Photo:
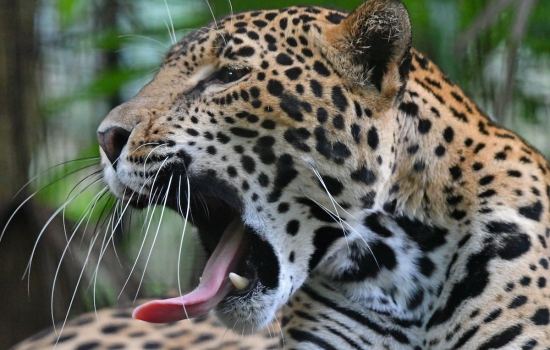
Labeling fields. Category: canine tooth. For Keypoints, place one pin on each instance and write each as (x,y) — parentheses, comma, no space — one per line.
(239,282)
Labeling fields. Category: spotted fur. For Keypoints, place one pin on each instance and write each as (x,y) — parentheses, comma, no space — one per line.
(385,209)
(114,329)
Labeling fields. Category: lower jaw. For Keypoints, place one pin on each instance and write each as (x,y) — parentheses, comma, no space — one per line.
(247,314)
(257,262)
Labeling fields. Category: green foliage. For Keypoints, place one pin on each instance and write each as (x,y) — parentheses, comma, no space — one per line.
(68,10)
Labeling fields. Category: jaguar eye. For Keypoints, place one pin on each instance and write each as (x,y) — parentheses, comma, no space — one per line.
(228,75)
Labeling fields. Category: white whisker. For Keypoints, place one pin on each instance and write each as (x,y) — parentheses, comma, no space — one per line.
(75,290)
(145,37)
(173,33)
(158,226)
(215,22)
(334,217)
(29,264)
(186,217)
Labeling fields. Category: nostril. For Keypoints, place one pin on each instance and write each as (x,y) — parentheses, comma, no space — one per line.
(112,141)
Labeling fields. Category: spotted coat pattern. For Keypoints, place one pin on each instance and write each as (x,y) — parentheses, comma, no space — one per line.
(387,209)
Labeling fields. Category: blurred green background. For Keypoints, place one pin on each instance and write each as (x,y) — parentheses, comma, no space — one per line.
(65,63)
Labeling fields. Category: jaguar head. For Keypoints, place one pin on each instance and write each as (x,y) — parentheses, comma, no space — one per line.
(260,128)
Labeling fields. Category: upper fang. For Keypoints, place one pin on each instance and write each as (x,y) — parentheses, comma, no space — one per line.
(238,281)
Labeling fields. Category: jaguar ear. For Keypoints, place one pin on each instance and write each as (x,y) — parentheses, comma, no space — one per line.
(373,45)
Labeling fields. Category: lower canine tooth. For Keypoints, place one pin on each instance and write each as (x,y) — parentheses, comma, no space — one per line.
(238,281)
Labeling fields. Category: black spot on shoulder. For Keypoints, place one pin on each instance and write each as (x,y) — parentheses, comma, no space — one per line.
(493,316)
(321,69)
(264,148)
(466,337)
(449,134)
(440,151)
(529,345)
(292,42)
(410,108)
(88,346)
(268,124)
(501,227)
(373,223)
(334,17)
(315,210)
(356,133)
(285,173)
(502,339)
(368,200)
(514,246)
(541,317)
(292,227)
(472,285)
(284,59)
(424,126)
(422,61)
(291,106)
(243,132)
(333,185)
(297,137)
(248,163)
(336,151)
(372,138)
(245,51)
(66,337)
(339,99)
(518,301)
(479,147)
(365,175)
(323,239)
(283,23)
(316,88)
(419,166)
(484,181)
(413,149)
(427,237)
(223,138)
(338,122)
(426,266)
(259,23)
(322,115)
(275,88)
(113,328)
(415,300)
(270,16)
(283,207)
(368,262)
(263,180)
(533,211)
(293,73)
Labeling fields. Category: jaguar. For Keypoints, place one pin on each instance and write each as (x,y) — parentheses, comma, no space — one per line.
(335,172)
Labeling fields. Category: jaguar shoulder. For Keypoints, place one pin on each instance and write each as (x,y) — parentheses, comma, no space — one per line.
(114,329)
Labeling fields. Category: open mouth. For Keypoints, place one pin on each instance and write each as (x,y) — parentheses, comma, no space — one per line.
(240,263)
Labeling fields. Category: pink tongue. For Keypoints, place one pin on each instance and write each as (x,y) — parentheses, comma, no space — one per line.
(214,285)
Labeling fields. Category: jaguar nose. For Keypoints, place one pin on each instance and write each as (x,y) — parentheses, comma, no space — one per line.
(112,141)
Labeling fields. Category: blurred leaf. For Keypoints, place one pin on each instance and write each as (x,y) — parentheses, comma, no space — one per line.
(67,11)
(73,179)
(104,85)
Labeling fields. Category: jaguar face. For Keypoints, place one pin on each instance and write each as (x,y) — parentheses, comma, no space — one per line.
(239,131)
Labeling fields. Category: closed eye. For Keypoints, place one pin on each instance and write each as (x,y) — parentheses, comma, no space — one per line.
(228,75)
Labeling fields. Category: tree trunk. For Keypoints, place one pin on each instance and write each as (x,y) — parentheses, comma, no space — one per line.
(24,310)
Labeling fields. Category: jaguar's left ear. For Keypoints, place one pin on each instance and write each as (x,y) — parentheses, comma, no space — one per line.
(373,45)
